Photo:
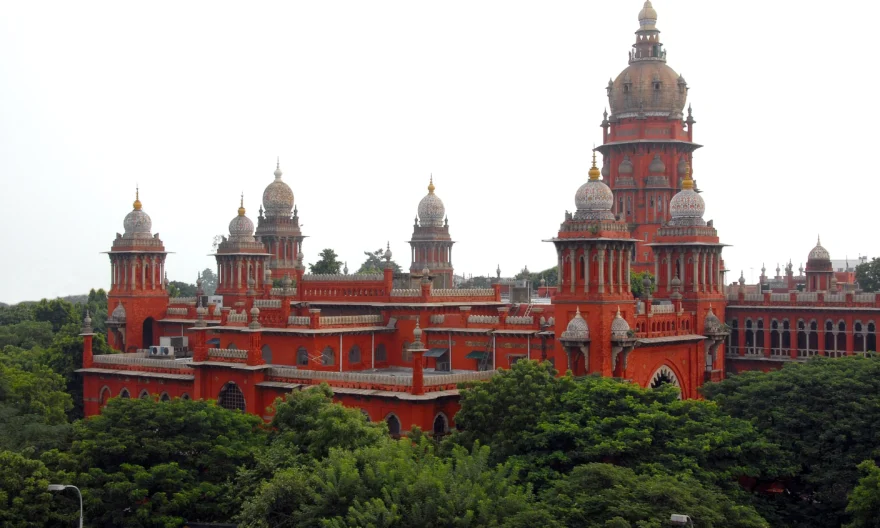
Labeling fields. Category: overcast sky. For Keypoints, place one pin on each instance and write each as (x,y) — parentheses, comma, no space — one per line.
(362,101)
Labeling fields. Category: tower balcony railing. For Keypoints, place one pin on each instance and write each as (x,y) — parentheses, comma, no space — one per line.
(298,320)
(406,292)
(227,353)
(520,320)
(267,303)
(139,359)
(374,319)
(794,298)
(171,310)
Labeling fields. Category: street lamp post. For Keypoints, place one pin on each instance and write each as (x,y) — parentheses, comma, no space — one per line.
(62,487)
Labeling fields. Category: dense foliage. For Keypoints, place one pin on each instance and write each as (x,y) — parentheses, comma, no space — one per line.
(868,275)
(375,262)
(794,448)
(327,263)
(826,415)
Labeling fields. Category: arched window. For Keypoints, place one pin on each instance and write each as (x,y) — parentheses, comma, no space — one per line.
(871,337)
(164,397)
(841,339)
(105,396)
(733,337)
(759,337)
(231,397)
(184,396)
(124,394)
(302,356)
(786,337)
(750,337)
(775,338)
(829,338)
(267,354)
(858,337)
(381,353)
(581,267)
(393,425)
(328,357)
(441,425)
(354,355)
(814,337)
(802,342)
(144,395)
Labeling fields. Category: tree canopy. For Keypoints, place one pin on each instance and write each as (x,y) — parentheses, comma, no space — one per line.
(327,263)
(375,262)
(636,283)
(868,275)
(825,414)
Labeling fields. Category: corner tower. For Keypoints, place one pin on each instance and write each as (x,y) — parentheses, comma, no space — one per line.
(431,243)
(242,262)
(594,251)
(138,296)
(278,227)
(647,141)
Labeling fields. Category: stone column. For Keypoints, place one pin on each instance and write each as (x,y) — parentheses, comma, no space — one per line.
(573,268)
(668,269)
(587,269)
(628,255)
(601,264)
(611,269)
(696,258)
(703,257)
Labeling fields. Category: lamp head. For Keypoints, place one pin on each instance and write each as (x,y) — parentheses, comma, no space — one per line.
(57,487)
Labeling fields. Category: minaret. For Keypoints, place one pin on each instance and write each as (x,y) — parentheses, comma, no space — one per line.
(431,243)
(594,251)
(278,228)
(241,261)
(138,297)
(647,141)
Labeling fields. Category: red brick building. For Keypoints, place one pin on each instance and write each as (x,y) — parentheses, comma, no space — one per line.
(399,353)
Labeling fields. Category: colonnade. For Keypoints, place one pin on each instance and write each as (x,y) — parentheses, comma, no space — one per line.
(132,271)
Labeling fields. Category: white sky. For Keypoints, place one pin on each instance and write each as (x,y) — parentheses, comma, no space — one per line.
(500,100)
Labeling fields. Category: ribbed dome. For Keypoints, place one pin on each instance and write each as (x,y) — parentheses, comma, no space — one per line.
(619,327)
(712,325)
(241,226)
(650,87)
(118,314)
(278,197)
(137,223)
(682,166)
(657,166)
(687,207)
(594,199)
(577,329)
(626,167)
(431,208)
(819,252)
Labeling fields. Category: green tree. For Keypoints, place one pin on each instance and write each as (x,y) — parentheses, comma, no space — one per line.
(825,413)
(26,334)
(868,275)
(23,311)
(603,495)
(209,281)
(636,283)
(375,262)
(149,463)
(864,501)
(58,312)
(24,497)
(396,484)
(327,264)
(553,424)
(181,289)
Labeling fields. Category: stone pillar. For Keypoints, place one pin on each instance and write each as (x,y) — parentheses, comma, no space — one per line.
(696,258)
(573,268)
(767,343)
(601,264)
(418,378)
(587,269)
(611,270)
(742,339)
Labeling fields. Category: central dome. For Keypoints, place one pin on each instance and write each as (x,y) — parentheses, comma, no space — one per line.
(278,197)
(651,87)
(137,223)
(431,208)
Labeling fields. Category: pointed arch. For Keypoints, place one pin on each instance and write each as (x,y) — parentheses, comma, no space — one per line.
(441,424)
(393,425)
(144,395)
(664,375)
(231,397)
(124,393)
(164,397)
(105,396)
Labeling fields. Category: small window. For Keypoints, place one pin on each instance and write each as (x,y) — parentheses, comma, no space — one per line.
(656,87)
(327,357)
(124,394)
(302,356)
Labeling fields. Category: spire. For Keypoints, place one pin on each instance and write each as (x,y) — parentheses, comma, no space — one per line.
(431,185)
(137,198)
(241,206)
(687,183)
(278,168)
(594,170)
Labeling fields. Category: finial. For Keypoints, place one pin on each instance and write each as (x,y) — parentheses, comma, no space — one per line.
(241,206)
(431,184)
(137,198)
(818,240)
(278,168)
(594,170)
(687,183)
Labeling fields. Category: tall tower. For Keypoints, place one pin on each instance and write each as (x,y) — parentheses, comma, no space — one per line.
(820,272)
(431,243)
(277,229)
(594,251)
(242,262)
(647,142)
(138,297)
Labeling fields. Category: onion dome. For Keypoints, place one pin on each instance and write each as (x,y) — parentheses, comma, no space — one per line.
(647,16)
(675,282)
(594,199)
(137,223)
(286,282)
(387,255)
(241,226)
(87,324)
(606,171)
(431,208)
(118,314)
(278,198)
(626,167)
(687,207)
(255,318)
(712,325)
(619,327)
(818,252)
(417,337)
(577,329)
(657,166)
